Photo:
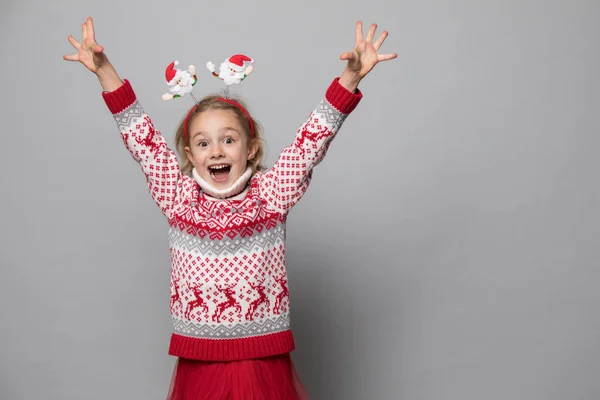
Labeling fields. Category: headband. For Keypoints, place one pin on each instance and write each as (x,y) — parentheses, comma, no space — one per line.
(232,102)
(232,72)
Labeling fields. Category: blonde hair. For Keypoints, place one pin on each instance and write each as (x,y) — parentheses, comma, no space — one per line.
(215,102)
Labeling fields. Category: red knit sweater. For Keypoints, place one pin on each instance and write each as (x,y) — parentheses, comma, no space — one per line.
(229,291)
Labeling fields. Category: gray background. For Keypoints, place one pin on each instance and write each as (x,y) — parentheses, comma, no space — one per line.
(447,248)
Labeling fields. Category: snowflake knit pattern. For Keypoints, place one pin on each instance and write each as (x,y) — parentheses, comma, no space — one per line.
(229,289)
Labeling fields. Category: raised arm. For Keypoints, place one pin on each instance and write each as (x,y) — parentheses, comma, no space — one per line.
(145,144)
(147,147)
(286,182)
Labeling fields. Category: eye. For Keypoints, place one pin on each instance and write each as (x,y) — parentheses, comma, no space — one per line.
(202,144)
(228,140)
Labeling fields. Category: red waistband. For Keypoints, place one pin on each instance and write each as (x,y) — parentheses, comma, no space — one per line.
(231,349)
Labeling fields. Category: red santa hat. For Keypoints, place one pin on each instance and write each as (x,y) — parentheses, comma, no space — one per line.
(172,74)
(239,62)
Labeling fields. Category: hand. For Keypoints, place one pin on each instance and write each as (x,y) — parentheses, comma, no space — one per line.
(192,70)
(365,55)
(89,52)
(210,66)
(248,70)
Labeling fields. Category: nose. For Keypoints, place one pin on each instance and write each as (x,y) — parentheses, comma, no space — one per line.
(216,151)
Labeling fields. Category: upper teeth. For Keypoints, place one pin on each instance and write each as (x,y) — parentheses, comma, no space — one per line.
(219,166)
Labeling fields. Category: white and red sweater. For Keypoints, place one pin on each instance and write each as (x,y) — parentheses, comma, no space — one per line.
(229,292)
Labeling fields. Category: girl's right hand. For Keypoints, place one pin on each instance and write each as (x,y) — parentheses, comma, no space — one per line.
(89,53)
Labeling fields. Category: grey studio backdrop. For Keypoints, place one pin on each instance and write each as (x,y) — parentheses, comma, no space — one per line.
(446,249)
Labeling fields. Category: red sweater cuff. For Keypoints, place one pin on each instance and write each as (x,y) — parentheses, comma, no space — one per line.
(341,98)
(119,99)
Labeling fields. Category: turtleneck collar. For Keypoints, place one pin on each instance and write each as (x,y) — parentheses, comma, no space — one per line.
(238,186)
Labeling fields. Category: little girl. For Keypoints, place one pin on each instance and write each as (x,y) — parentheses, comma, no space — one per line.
(227,216)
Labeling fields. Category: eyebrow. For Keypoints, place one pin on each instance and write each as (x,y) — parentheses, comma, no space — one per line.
(224,129)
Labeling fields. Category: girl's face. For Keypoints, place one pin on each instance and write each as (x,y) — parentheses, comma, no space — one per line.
(219,148)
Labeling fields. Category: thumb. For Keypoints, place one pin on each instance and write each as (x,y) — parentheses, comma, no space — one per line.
(347,56)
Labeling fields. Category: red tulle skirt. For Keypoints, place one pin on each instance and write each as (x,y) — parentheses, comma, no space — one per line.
(272,378)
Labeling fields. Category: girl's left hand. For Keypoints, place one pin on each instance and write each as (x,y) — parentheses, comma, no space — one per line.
(365,55)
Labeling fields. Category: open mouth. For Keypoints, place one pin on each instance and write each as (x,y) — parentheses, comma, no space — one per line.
(220,172)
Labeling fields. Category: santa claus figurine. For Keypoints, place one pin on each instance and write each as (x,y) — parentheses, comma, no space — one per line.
(181,82)
(233,70)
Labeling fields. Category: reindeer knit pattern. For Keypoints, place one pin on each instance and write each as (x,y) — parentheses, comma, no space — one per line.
(229,290)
